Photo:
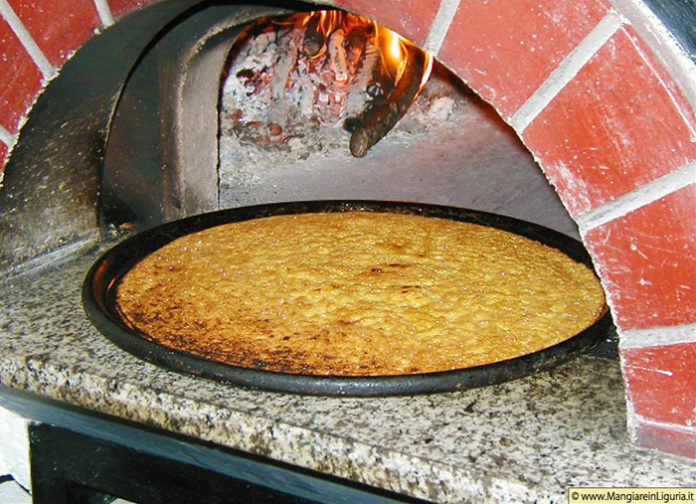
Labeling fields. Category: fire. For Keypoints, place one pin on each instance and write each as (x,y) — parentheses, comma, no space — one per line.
(357,73)
(329,21)
(427,72)
(393,51)
(320,25)
(394,48)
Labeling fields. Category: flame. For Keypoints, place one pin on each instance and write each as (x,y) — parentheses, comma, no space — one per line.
(427,72)
(394,48)
(393,51)
(328,21)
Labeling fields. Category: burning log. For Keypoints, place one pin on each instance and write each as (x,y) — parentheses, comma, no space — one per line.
(317,69)
(378,120)
(314,43)
(369,86)
(337,53)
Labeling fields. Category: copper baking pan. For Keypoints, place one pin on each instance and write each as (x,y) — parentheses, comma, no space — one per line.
(100,288)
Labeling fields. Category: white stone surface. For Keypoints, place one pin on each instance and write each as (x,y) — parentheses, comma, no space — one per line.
(14,447)
(12,493)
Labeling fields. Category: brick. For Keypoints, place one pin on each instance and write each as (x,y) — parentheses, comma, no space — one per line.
(121,7)
(20,79)
(57,26)
(665,439)
(505,50)
(613,128)
(680,100)
(409,18)
(647,261)
(661,382)
(3,154)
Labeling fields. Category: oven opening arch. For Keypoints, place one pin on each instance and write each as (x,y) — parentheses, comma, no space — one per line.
(643,298)
(168,116)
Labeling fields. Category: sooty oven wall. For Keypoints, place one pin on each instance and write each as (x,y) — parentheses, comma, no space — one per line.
(599,91)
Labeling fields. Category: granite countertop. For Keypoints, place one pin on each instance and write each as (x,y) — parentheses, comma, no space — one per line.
(522,441)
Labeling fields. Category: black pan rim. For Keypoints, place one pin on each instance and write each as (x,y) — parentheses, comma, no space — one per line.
(97,297)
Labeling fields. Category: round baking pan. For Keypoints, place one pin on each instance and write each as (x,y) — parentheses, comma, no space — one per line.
(99,299)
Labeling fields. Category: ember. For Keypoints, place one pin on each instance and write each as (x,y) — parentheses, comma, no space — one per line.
(328,68)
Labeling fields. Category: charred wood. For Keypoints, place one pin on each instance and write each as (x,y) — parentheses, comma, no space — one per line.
(314,43)
(337,55)
(378,120)
(290,78)
(285,61)
(368,89)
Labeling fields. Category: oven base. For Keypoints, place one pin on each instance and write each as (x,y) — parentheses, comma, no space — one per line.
(78,457)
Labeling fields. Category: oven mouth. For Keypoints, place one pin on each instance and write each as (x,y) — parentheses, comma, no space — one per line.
(68,186)
(99,300)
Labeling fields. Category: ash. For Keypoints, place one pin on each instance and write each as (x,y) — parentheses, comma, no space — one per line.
(280,107)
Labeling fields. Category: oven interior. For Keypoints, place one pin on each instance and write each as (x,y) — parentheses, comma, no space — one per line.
(450,148)
(138,142)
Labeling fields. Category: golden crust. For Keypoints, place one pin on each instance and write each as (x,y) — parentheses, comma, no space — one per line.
(358,293)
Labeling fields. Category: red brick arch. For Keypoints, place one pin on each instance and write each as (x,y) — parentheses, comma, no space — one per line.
(601,103)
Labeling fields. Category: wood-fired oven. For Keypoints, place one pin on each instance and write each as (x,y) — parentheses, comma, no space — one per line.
(131,131)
